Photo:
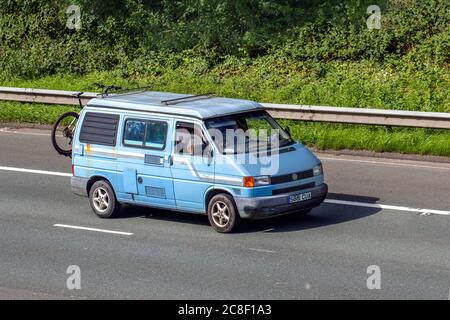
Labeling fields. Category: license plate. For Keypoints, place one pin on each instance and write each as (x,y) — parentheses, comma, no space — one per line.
(299,197)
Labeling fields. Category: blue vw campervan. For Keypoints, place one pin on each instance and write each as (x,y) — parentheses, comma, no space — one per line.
(178,152)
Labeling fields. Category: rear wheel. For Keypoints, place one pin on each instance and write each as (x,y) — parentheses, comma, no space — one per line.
(103,200)
(222,213)
(63,132)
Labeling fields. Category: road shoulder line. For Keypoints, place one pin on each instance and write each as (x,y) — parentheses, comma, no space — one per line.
(92,229)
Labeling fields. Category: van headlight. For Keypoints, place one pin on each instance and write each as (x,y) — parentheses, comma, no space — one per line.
(250,182)
(261,181)
(318,170)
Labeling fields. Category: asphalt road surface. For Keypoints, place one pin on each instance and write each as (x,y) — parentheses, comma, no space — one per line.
(370,219)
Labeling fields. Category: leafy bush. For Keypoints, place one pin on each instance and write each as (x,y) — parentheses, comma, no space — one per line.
(311,52)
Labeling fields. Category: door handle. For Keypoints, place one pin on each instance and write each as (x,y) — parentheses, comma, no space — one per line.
(170,160)
(140,180)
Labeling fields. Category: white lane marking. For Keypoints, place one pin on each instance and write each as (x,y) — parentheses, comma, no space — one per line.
(49,173)
(332,201)
(93,229)
(385,163)
(6,130)
(387,207)
(262,250)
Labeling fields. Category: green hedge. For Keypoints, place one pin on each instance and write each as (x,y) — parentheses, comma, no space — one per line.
(310,52)
(35,40)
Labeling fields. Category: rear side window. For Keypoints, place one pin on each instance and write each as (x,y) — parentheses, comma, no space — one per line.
(145,134)
(99,128)
(134,133)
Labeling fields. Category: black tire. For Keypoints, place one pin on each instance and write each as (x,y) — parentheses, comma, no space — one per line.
(67,133)
(220,222)
(111,208)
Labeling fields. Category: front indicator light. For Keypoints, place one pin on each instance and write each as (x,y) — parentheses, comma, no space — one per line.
(249,182)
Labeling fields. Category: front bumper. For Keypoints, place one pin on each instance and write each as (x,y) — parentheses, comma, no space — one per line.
(79,186)
(270,206)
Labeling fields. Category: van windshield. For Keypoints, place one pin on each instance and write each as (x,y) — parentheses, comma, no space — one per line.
(247,132)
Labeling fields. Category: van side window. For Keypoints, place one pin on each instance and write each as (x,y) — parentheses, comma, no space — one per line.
(99,128)
(145,134)
(189,139)
(134,133)
(155,135)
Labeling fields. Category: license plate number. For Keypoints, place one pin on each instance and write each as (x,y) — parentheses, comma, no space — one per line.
(299,197)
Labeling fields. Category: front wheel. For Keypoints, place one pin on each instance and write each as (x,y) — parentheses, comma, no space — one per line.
(222,213)
(63,132)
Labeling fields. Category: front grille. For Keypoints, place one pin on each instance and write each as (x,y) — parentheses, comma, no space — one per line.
(294,188)
(290,177)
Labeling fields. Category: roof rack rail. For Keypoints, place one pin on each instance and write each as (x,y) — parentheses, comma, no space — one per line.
(118,90)
(194,97)
(131,90)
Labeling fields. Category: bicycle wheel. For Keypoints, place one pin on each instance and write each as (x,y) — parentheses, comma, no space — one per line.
(63,131)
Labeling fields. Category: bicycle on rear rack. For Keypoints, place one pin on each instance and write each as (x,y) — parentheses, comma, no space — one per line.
(64,127)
